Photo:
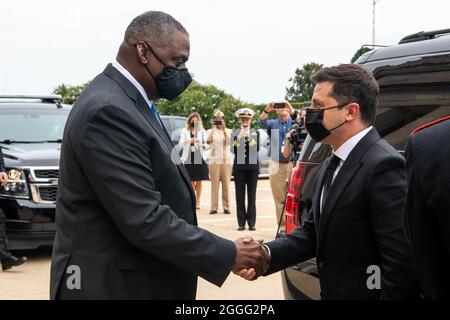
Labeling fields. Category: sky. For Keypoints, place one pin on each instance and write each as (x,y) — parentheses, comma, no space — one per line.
(249,48)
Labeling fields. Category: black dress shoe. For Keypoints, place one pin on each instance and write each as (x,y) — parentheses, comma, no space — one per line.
(213,212)
(13,262)
(252,229)
(241,229)
(227,211)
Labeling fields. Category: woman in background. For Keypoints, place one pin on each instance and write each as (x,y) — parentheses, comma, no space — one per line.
(220,161)
(193,144)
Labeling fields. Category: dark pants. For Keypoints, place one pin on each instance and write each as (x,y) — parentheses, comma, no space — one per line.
(243,178)
(4,253)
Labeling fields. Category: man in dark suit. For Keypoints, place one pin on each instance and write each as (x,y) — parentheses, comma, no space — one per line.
(427,209)
(7,260)
(126,226)
(355,225)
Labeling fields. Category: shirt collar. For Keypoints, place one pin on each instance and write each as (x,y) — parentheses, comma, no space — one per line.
(138,86)
(343,151)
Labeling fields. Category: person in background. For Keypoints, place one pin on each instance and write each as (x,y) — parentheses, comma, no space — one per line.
(6,258)
(193,144)
(245,147)
(220,162)
(279,166)
(427,208)
(293,142)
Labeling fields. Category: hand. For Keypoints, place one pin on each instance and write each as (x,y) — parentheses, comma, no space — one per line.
(250,274)
(288,107)
(270,107)
(250,255)
(3,178)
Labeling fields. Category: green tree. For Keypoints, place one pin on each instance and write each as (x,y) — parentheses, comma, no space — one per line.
(302,86)
(359,53)
(69,93)
(204,99)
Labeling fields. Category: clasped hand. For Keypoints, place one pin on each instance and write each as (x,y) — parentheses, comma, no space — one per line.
(252,259)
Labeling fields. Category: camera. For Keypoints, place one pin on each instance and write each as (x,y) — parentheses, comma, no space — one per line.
(217,122)
(279,105)
(297,135)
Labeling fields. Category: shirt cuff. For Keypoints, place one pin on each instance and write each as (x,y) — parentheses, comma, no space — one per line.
(268,250)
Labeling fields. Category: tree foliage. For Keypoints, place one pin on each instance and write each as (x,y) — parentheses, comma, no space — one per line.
(205,99)
(302,86)
(69,93)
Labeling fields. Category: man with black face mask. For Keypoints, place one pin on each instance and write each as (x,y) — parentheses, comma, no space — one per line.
(355,225)
(126,226)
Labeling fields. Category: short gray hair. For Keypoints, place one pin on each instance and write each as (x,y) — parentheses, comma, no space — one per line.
(154,26)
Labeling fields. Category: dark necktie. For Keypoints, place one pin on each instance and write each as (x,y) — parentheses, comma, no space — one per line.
(328,178)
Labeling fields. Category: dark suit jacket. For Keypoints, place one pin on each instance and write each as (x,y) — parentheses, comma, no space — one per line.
(427,209)
(360,226)
(125,212)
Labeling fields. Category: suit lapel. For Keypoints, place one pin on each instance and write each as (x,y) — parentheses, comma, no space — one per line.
(144,109)
(317,194)
(344,178)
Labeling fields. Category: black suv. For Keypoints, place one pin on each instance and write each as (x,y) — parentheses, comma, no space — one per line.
(414,80)
(31,132)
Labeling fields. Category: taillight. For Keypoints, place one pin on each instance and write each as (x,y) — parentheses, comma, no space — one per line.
(292,206)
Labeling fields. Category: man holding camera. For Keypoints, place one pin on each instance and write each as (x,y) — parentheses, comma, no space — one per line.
(279,166)
(293,143)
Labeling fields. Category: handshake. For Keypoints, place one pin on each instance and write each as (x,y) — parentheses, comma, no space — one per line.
(252,259)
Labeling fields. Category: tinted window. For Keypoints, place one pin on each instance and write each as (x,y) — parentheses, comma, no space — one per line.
(32,125)
(412,92)
(166,123)
(178,125)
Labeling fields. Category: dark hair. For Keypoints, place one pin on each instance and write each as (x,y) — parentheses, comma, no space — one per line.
(352,83)
(154,26)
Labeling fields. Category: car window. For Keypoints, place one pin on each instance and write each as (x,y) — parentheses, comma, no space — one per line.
(32,125)
(178,125)
(413,92)
(403,109)
(166,123)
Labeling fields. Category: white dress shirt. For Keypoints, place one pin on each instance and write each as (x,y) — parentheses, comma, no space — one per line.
(342,153)
(138,86)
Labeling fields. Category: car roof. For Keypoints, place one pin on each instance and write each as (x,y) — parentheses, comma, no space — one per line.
(36,102)
(440,44)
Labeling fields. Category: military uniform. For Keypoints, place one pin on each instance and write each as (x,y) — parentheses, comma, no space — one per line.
(245,148)
(427,209)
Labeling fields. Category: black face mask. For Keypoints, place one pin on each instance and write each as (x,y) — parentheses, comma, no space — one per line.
(313,122)
(171,82)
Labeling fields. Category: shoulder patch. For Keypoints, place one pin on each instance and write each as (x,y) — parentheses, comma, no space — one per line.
(429,124)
